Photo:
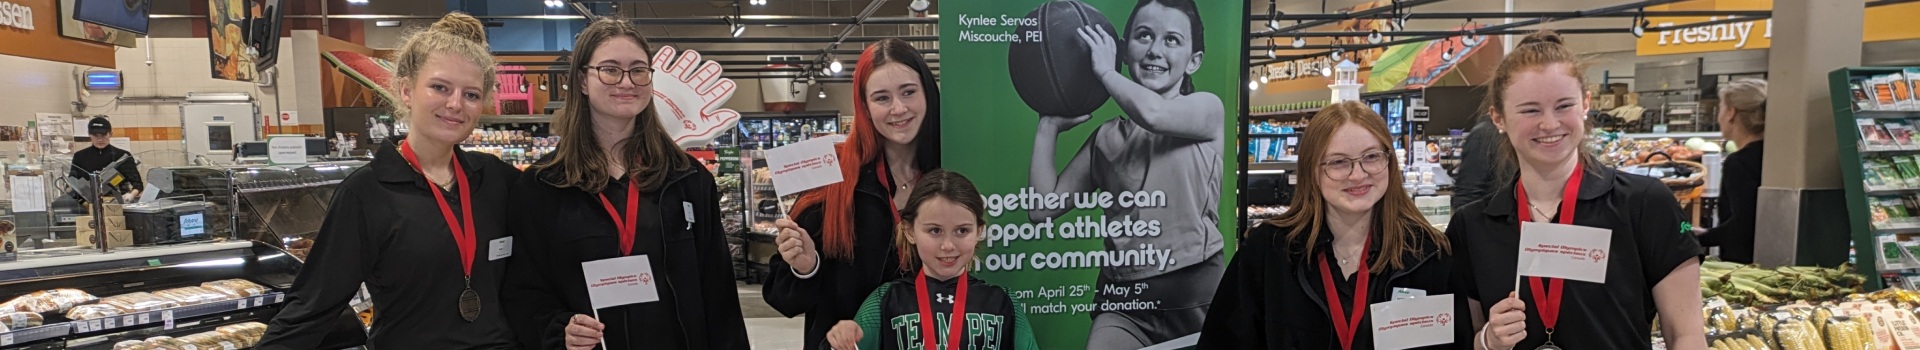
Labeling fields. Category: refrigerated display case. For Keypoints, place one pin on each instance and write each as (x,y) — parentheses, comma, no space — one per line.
(761,131)
(282,206)
(71,298)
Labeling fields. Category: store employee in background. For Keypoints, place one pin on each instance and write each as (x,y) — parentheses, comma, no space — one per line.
(421,224)
(1743,119)
(618,187)
(93,159)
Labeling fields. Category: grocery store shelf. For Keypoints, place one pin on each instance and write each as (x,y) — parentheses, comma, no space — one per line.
(1271,168)
(1888,150)
(1284,113)
(1897,229)
(1887,114)
(1273,134)
(1891,191)
(29,335)
(167,317)
(516,119)
(1674,135)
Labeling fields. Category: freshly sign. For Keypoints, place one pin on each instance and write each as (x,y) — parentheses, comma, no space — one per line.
(15,15)
(1739,33)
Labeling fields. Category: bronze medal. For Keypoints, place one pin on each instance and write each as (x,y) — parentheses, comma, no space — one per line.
(469,305)
(1548,346)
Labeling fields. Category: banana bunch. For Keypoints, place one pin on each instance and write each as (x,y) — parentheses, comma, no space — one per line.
(1750,285)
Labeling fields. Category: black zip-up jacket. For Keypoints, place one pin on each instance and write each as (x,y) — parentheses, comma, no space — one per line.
(385,230)
(835,292)
(1271,297)
(559,228)
(92,159)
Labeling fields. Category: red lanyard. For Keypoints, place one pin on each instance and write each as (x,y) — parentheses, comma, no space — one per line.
(629,227)
(1549,299)
(463,235)
(1343,325)
(957,321)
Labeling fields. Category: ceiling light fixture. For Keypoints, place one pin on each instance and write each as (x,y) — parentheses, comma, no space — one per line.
(823,92)
(1253,85)
(920,6)
(1264,72)
(1640,23)
(1336,54)
(835,66)
(1270,48)
(1375,37)
(1299,42)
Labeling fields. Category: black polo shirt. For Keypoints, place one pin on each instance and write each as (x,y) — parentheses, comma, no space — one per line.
(384,229)
(1647,244)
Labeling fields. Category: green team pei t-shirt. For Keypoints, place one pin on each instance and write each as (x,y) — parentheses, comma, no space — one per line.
(890,318)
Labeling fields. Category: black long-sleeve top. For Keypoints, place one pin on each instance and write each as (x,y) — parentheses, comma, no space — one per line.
(838,287)
(560,228)
(1272,296)
(1474,179)
(92,159)
(385,230)
(1739,200)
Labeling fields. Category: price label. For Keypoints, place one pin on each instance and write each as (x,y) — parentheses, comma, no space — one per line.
(228,345)
(126,321)
(6,339)
(108,323)
(166,317)
(82,326)
(144,318)
(259,301)
(240,304)
(97,325)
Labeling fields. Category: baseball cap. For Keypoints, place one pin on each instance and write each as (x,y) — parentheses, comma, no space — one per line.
(99,125)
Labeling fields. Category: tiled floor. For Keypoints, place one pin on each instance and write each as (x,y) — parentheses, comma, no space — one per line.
(767,330)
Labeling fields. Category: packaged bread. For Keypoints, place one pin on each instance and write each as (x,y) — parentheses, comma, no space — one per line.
(166,343)
(4,329)
(21,319)
(248,333)
(93,311)
(55,300)
(191,295)
(132,345)
(211,341)
(139,302)
(236,288)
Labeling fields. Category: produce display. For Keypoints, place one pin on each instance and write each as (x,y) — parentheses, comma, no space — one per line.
(1749,285)
(1879,320)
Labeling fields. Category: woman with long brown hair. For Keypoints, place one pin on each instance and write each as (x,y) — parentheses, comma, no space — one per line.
(1538,99)
(1353,238)
(895,138)
(617,187)
(414,225)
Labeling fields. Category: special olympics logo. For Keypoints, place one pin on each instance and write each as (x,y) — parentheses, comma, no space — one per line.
(1598,255)
(646,278)
(1445,319)
(829,159)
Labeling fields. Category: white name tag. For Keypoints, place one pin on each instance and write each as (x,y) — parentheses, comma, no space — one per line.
(500,248)
(1412,323)
(1407,293)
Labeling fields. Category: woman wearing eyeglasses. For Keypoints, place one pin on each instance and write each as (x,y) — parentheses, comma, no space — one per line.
(1306,280)
(618,192)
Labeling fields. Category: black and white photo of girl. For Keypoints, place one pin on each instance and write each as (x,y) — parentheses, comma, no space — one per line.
(1169,139)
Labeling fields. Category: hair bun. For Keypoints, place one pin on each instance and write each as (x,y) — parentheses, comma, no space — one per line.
(462,25)
(1544,36)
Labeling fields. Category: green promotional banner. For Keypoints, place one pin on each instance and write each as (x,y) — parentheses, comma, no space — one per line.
(1101,133)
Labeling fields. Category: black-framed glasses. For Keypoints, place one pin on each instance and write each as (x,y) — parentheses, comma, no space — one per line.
(611,75)
(1341,168)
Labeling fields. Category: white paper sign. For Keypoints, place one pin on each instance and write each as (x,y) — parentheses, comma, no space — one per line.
(804,165)
(29,194)
(1412,323)
(54,124)
(286,150)
(620,281)
(1564,251)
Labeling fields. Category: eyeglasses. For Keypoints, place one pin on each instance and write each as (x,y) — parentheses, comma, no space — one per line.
(611,75)
(1342,168)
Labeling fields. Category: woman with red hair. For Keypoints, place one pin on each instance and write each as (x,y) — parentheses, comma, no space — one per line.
(839,244)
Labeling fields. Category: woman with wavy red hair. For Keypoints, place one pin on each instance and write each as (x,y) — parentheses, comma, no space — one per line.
(839,244)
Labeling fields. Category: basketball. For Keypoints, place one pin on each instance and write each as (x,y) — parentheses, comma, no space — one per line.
(1052,74)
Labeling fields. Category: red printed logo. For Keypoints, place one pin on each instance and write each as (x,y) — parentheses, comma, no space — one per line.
(830,159)
(646,278)
(1445,319)
(1598,255)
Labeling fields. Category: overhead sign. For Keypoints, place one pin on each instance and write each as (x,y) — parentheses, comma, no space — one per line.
(15,15)
(1882,23)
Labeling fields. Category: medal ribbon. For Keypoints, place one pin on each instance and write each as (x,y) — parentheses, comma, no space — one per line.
(957,321)
(1549,298)
(631,225)
(463,235)
(1344,326)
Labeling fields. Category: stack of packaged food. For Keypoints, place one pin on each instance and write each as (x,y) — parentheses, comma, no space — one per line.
(1880,320)
(26,310)
(236,336)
